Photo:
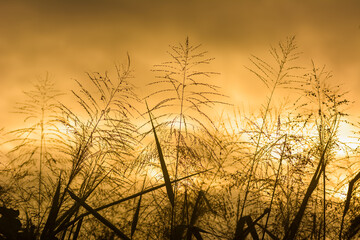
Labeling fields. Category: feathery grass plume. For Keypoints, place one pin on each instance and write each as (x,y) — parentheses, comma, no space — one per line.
(328,104)
(105,129)
(33,163)
(184,99)
(302,153)
(216,179)
(101,139)
(184,96)
(280,74)
(96,147)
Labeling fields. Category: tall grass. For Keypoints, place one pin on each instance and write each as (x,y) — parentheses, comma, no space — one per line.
(272,77)
(34,146)
(184,99)
(182,174)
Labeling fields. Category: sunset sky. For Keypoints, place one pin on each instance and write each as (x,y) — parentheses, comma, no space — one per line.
(68,38)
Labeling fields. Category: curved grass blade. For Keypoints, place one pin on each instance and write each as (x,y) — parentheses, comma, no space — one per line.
(98,216)
(136,217)
(347,202)
(196,232)
(354,228)
(76,234)
(169,189)
(295,224)
(48,231)
(270,234)
(62,227)
(137,211)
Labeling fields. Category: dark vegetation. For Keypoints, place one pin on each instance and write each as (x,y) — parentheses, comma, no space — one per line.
(105,169)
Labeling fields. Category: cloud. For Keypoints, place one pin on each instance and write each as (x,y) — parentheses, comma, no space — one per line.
(68,38)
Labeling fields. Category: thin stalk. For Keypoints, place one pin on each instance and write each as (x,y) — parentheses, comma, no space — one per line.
(279,76)
(275,185)
(98,216)
(253,168)
(347,202)
(291,232)
(60,228)
(321,140)
(84,147)
(324,196)
(184,77)
(41,155)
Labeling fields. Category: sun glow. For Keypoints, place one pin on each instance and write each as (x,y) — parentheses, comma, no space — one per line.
(154,173)
(347,140)
(341,193)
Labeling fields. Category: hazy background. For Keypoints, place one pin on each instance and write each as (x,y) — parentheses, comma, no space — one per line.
(69,38)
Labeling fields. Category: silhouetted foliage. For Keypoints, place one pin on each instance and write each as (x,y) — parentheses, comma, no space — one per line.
(100,169)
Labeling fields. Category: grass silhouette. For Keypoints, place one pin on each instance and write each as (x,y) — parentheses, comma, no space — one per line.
(96,171)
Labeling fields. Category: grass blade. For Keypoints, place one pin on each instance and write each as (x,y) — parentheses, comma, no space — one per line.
(241,232)
(354,228)
(295,224)
(347,201)
(270,234)
(137,211)
(196,232)
(64,220)
(61,228)
(169,189)
(135,218)
(275,185)
(48,231)
(76,234)
(98,216)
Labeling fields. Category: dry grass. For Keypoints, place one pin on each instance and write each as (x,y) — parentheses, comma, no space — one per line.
(90,172)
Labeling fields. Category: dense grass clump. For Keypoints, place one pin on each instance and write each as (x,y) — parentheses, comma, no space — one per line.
(166,166)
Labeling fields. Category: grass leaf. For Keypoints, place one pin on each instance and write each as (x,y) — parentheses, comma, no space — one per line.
(48,231)
(98,216)
(169,189)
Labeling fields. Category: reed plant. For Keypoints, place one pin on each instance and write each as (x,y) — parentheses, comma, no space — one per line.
(102,169)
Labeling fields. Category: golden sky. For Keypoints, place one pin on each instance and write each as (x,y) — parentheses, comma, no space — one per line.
(68,38)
